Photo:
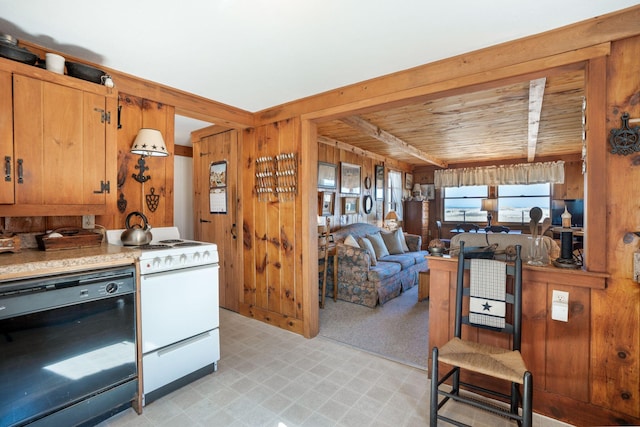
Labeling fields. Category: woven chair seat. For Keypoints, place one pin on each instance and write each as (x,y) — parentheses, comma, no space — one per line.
(486,359)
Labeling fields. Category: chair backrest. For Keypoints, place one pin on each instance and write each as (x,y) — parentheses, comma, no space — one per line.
(497,229)
(468,228)
(323,239)
(490,287)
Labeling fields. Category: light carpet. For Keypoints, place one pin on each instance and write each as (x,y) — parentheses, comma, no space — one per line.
(399,330)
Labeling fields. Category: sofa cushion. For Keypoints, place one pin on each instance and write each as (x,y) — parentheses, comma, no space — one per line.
(393,241)
(366,245)
(402,259)
(378,245)
(383,271)
(418,257)
(351,241)
(403,240)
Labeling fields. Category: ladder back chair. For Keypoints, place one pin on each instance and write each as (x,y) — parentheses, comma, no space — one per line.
(323,256)
(484,301)
(447,242)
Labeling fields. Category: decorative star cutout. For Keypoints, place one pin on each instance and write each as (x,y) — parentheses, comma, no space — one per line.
(486,306)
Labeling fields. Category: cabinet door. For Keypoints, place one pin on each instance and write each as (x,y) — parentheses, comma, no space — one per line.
(7,179)
(59,143)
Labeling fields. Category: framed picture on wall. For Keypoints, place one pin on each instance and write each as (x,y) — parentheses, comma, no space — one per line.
(350,205)
(325,203)
(408,181)
(350,180)
(327,174)
(428,191)
(379,191)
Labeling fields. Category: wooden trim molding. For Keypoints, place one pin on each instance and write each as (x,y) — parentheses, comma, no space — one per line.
(183,150)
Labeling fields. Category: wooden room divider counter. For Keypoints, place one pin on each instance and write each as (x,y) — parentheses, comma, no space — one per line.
(558,353)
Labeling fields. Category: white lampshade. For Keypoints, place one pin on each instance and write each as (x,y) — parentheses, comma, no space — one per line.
(489,205)
(149,142)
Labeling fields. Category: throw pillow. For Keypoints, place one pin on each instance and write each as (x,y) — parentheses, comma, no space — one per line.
(378,245)
(392,242)
(403,240)
(366,245)
(351,241)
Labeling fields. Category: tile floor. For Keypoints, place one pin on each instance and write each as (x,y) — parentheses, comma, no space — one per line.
(273,378)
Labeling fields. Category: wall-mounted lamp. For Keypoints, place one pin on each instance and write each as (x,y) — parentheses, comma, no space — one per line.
(148,142)
(489,205)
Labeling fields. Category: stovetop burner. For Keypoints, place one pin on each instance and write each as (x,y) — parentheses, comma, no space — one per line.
(172,241)
(153,246)
(185,244)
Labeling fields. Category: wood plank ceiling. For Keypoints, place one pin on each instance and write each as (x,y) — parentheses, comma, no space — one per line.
(525,121)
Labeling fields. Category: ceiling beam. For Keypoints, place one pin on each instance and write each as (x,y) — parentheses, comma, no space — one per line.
(393,141)
(536,94)
(364,153)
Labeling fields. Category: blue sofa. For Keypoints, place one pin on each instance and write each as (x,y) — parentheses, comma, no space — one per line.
(361,282)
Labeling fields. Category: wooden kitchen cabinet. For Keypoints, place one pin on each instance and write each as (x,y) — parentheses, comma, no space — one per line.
(416,220)
(6,138)
(63,138)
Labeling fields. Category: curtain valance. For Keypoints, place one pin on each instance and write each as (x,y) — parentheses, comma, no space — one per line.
(525,173)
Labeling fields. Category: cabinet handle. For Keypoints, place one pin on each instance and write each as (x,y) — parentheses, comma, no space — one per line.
(20,172)
(234,231)
(204,220)
(7,168)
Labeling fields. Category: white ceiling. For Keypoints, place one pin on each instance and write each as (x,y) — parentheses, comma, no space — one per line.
(255,54)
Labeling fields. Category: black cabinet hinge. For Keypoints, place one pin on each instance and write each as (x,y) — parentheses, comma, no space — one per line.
(105,187)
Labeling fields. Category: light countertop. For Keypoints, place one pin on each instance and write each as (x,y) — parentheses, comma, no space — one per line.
(34,262)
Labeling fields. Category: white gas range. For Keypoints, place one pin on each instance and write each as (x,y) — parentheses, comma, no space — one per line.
(179,310)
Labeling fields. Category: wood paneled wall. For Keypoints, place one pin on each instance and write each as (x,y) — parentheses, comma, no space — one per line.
(615,353)
(139,113)
(336,156)
(272,230)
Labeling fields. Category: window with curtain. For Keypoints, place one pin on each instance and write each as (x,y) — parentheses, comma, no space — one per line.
(515,201)
(462,204)
(394,192)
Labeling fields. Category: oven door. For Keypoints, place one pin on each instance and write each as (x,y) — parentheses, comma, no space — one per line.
(177,305)
(55,357)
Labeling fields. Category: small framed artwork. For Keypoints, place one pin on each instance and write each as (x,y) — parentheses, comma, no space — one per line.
(326,202)
(379,191)
(408,181)
(350,205)
(428,191)
(327,174)
(350,181)
(218,187)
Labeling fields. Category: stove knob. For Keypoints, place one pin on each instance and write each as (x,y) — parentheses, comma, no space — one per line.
(111,288)
(183,259)
(156,262)
(196,256)
(206,255)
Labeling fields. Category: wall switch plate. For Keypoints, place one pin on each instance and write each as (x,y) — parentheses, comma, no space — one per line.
(560,306)
(88,222)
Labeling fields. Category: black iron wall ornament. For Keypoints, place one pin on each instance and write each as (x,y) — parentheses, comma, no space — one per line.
(152,200)
(142,167)
(625,140)
(122,203)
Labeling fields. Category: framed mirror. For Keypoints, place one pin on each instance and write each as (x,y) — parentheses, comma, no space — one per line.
(368,204)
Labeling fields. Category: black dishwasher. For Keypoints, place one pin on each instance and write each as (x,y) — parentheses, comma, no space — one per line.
(67,347)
